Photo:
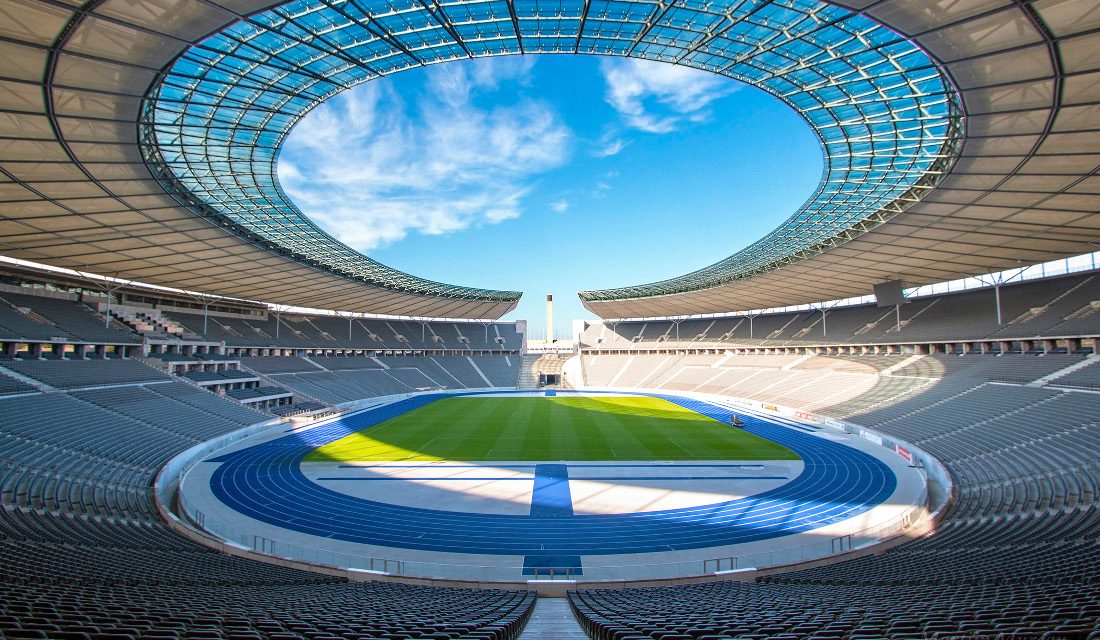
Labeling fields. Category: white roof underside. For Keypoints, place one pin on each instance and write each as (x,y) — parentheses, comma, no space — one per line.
(1025,189)
(75,193)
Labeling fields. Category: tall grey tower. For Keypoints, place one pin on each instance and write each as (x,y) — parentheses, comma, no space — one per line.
(549,318)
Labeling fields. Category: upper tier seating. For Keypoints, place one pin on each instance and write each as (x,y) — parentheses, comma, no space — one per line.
(69,374)
(333,332)
(52,318)
(278,364)
(1008,368)
(1063,306)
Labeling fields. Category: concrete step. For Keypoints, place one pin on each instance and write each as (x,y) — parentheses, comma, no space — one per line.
(552,620)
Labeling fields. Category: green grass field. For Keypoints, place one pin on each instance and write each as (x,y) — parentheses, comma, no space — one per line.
(498,429)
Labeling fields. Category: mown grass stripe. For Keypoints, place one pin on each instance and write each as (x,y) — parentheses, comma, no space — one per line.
(573,428)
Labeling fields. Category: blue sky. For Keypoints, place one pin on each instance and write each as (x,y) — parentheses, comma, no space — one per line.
(550,173)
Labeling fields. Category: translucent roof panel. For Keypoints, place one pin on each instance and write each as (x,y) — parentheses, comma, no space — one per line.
(888,120)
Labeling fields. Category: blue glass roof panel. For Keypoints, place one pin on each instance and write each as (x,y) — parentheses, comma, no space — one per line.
(887,118)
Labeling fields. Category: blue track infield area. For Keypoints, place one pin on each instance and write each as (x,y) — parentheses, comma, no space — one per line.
(266,482)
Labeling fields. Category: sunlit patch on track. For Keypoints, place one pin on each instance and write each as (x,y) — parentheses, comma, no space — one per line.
(538,513)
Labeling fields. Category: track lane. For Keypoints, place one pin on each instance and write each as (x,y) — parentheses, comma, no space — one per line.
(265,482)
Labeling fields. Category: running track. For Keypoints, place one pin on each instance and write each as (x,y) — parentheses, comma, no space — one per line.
(265,482)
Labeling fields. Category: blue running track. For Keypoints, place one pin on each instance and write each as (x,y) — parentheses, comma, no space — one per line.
(265,482)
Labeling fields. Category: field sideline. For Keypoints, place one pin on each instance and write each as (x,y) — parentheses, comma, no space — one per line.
(574,428)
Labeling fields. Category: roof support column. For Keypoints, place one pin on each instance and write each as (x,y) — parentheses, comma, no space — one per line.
(996,280)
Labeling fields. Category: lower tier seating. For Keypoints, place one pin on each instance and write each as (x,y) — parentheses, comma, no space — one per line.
(128,581)
(819,612)
(1018,553)
(85,556)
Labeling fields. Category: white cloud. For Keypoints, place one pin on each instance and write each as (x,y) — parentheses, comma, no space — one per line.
(609,146)
(657,97)
(371,166)
(561,206)
(489,73)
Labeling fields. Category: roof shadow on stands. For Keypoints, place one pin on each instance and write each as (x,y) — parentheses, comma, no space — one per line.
(1008,447)
(918,392)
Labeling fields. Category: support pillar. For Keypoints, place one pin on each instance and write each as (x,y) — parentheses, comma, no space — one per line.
(107,315)
(997,298)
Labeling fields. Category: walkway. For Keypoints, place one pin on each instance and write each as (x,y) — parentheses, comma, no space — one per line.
(552,620)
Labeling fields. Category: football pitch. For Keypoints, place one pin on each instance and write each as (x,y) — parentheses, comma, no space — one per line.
(574,428)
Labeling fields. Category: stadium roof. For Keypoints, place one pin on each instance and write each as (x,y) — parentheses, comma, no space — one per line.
(139,138)
(1023,189)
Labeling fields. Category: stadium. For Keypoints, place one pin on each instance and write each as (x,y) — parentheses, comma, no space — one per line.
(218,421)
